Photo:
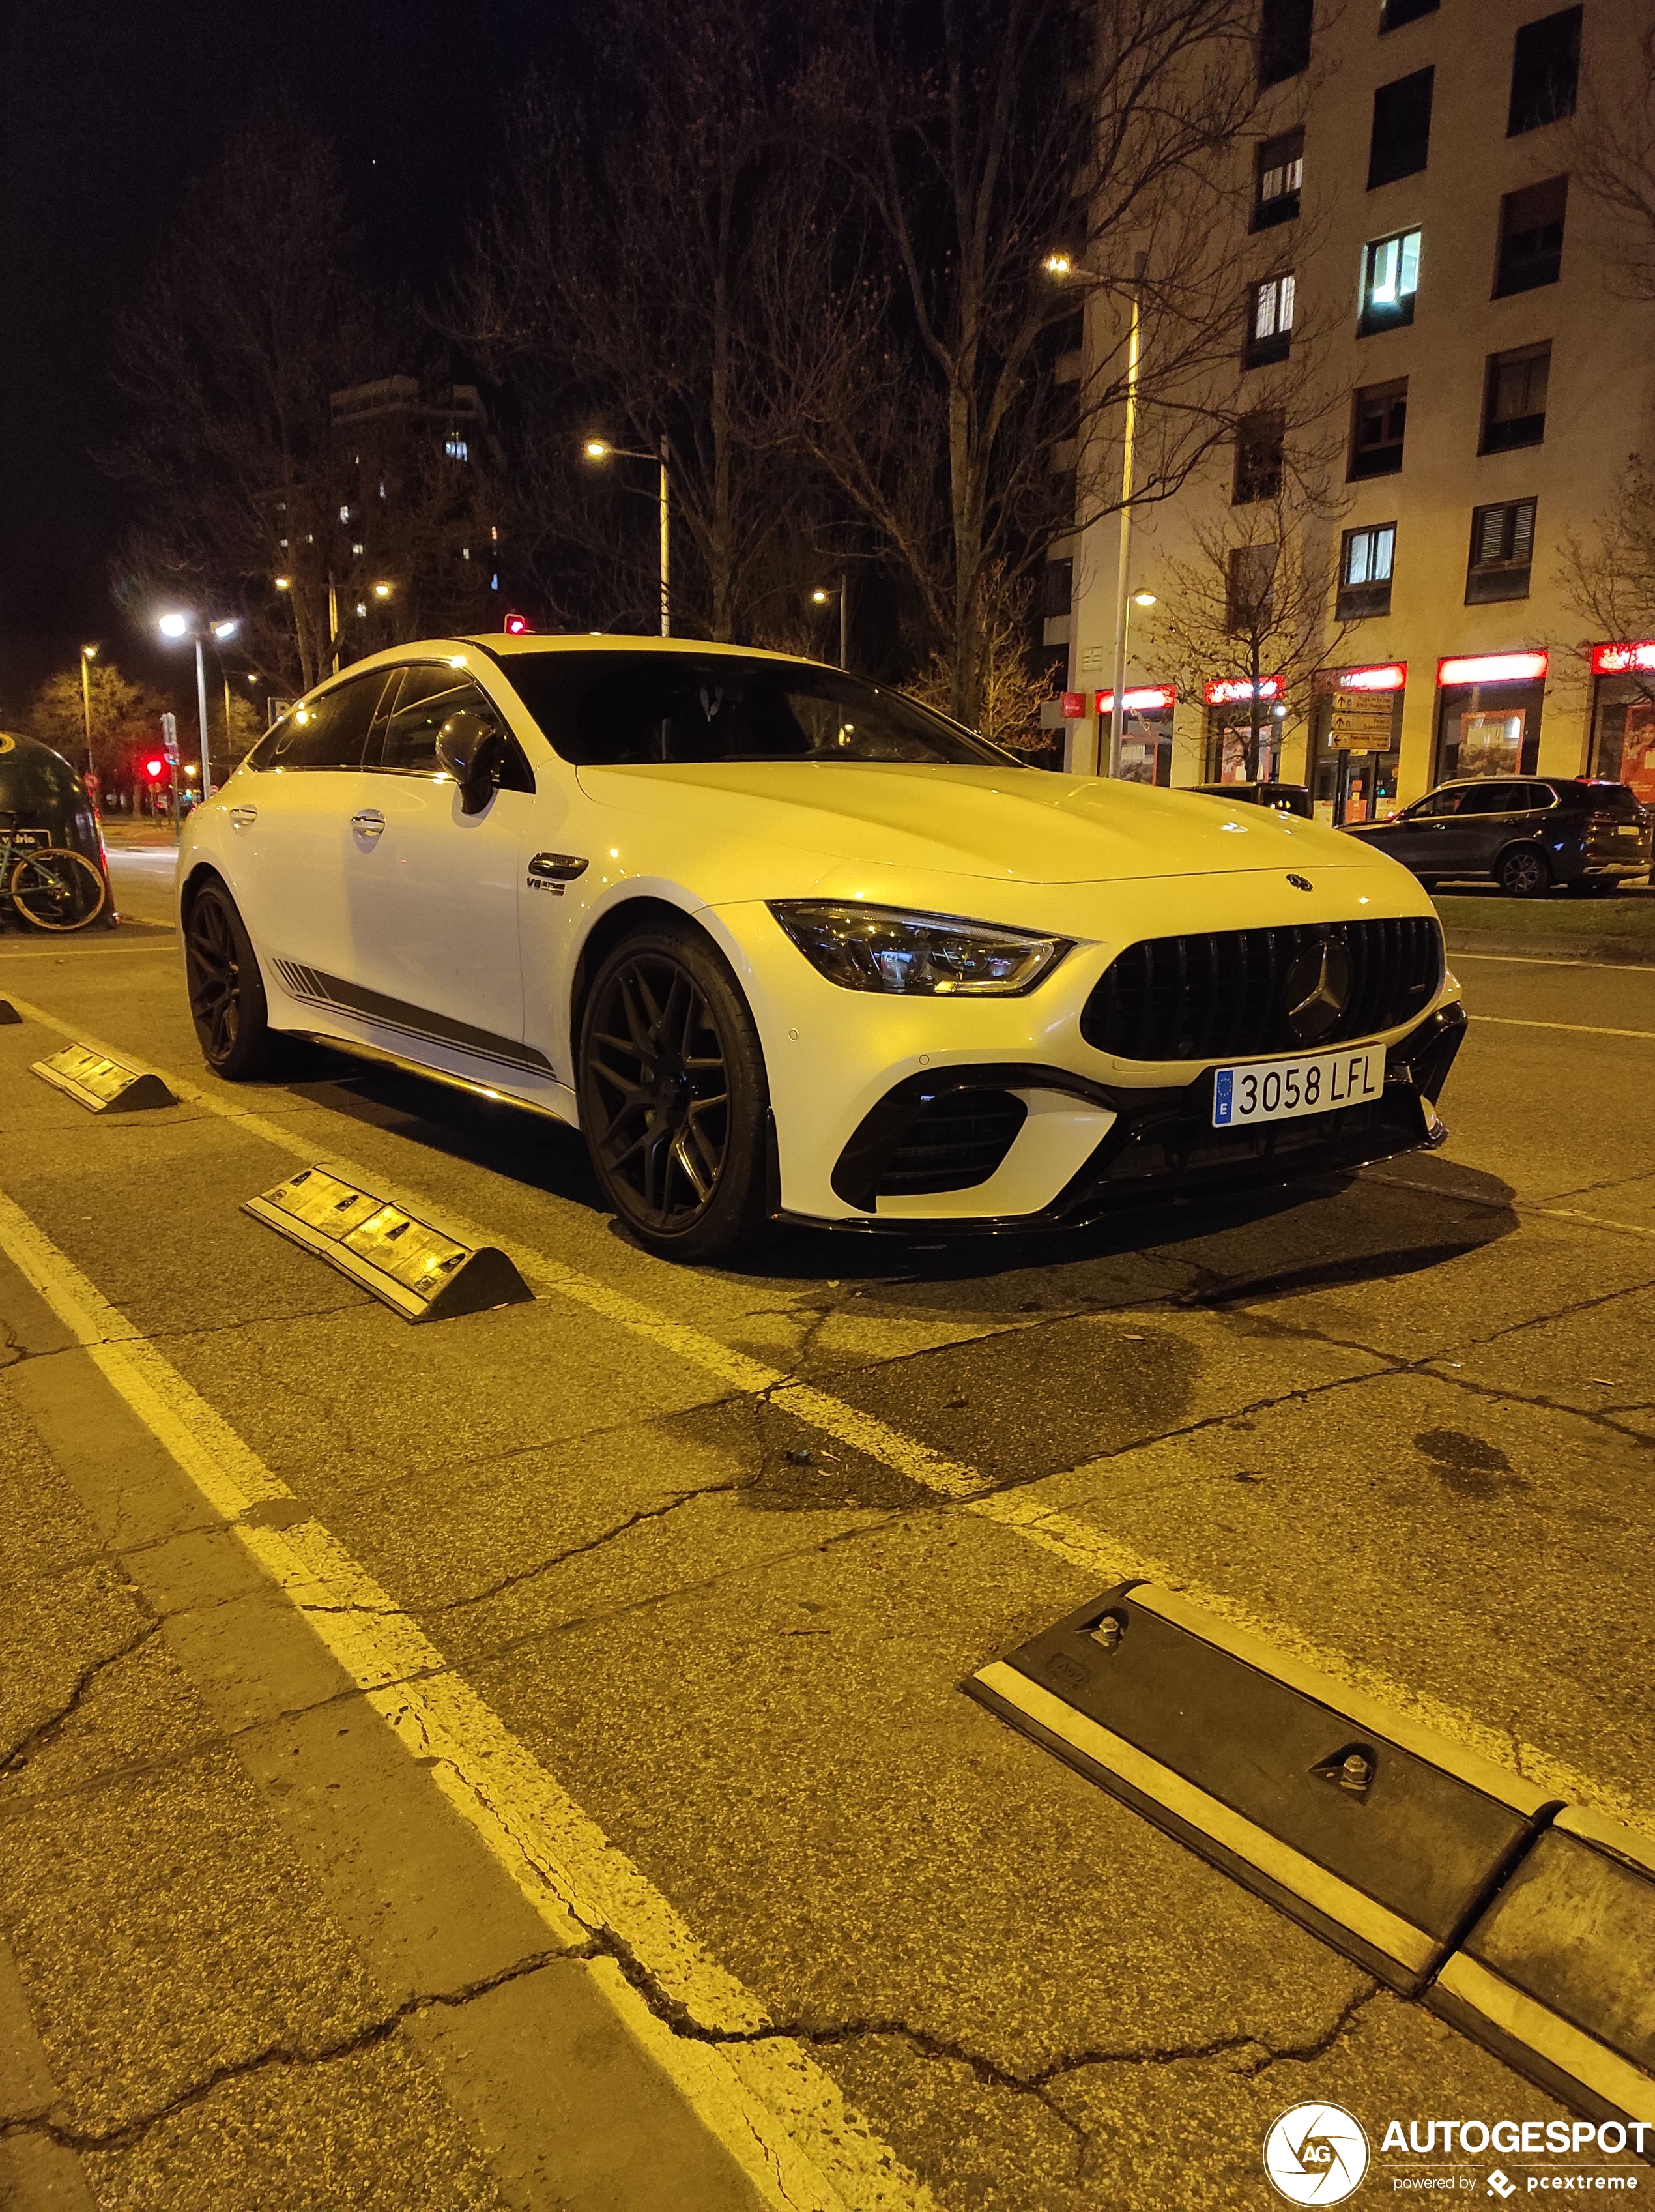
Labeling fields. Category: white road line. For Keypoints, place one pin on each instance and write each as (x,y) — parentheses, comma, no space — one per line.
(783,2120)
(1076,1541)
(1575,1029)
(1531,960)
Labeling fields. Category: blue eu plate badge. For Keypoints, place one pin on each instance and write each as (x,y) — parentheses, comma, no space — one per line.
(1223,1096)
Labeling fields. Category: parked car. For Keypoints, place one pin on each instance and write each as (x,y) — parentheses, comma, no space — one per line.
(1526,834)
(785,944)
(1285,798)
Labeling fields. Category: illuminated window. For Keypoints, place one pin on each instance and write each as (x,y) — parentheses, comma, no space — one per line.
(456,448)
(1365,559)
(1280,177)
(1391,277)
(1269,321)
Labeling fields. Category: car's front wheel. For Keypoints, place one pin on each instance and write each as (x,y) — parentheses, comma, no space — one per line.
(226,991)
(673,1096)
(1523,873)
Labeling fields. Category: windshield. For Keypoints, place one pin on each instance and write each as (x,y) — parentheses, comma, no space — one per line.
(620,709)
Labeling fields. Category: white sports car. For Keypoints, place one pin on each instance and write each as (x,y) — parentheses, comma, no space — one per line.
(786,945)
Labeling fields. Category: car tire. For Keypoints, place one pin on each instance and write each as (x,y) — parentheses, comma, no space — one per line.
(675,1104)
(227,991)
(1522,872)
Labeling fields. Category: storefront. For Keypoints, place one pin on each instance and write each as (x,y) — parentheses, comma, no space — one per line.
(1623,715)
(1356,740)
(1244,731)
(1488,715)
(1146,732)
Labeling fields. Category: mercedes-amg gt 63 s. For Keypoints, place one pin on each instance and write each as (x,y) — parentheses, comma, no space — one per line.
(787,946)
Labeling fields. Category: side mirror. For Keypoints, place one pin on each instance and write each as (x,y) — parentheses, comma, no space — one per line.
(465,750)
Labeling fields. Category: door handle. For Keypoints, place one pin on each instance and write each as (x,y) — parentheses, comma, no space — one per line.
(240,816)
(369,823)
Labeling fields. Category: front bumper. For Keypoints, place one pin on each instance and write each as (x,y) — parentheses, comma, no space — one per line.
(1161,1144)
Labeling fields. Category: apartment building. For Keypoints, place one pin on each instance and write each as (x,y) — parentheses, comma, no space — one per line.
(1412,221)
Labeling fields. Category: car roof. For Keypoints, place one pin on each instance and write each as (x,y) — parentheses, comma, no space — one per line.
(503,646)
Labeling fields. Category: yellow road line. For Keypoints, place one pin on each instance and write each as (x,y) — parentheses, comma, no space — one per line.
(783,2120)
(1575,1029)
(1075,1542)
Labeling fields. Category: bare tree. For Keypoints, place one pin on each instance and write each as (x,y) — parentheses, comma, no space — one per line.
(1608,571)
(997,146)
(1013,688)
(1252,604)
(645,225)
(1613,159)
(251,315)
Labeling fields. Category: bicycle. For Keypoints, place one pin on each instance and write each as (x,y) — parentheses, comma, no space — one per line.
(49,886)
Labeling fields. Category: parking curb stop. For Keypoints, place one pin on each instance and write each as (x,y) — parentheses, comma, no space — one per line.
(100,1083)
(1379,1836)
(411,1265)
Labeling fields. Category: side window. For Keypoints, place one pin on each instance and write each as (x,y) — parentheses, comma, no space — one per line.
(328,731)
(1538,795)
(1439,803)
(406,744)
(1494,799)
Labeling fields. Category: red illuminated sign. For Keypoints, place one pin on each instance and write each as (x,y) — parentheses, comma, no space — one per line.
(1492,668)
(155,770)
(1074,705)
(1223,693)
(516,625)
(1152,699)
(1622,659)
(1385,676)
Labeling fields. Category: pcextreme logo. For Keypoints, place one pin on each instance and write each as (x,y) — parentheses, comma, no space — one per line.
(1315,2154)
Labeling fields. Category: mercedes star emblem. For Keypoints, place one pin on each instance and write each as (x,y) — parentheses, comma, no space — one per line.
(1318,989)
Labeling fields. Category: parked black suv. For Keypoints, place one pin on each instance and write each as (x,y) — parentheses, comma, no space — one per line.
(1527,833)
(1285,798)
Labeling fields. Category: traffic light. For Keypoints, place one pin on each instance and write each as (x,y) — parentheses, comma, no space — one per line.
(155,767)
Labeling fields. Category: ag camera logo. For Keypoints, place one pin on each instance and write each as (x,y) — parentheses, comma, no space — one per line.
(1316,2154)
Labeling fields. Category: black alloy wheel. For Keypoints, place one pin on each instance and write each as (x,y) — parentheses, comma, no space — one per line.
(1524,873)
(226,991)
(673,1096)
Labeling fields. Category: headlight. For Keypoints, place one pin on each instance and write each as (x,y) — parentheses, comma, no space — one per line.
(879,948)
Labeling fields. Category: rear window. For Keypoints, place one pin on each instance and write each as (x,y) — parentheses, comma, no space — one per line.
(620,709)
(1618,800)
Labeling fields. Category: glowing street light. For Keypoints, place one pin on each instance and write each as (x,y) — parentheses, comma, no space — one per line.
(382,591)
(89,654)
(599,449)
(1057,265)
(283,583)
(176,626)
(1143,599)
(822,596)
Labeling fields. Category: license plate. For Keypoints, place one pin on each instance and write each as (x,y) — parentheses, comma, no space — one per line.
(1282,1090)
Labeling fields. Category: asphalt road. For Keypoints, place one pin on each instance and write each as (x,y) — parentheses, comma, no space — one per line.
(522,1760)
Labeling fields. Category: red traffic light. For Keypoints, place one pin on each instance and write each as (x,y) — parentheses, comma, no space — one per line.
(155,769)
(516,625)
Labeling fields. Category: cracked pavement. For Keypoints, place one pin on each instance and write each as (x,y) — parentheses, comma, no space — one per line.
(248,1955)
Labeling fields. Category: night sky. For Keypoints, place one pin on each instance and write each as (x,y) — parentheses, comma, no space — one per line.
(108,107)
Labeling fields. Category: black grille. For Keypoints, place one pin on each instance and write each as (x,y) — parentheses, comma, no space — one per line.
(959,1139)
(1225,992)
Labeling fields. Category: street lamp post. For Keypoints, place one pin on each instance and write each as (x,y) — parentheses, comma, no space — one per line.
(89,654)
(841,592)
(599,449)
(179,626)
(1129,434)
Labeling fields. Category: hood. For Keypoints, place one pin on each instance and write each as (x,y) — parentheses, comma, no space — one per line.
(1018,825)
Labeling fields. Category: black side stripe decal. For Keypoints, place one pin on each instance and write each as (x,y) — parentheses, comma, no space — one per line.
(323,990)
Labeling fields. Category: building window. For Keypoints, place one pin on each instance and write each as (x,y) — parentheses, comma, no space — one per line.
(1365,559)
(1531,237)
(1378,416)
(1394,14)
(1502,547)
(456,448)
(1545,71)
(1269,321)
(1514,398)
(1280,178)
(1391,277)
(1401,140)
(1257,457)
(1283,40)
(1057,596)
(1250,589)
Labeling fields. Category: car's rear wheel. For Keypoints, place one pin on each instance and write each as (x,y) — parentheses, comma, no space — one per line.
(673,1096)
(226,991)
(1522,872)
